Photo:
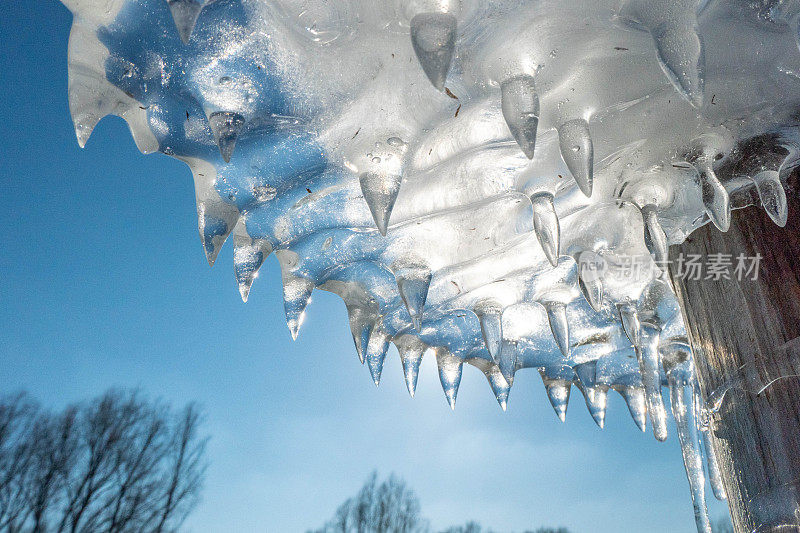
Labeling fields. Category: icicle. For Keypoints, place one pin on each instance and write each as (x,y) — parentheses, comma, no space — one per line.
(360,327)
(558,384)
(578,152)
(654,237)
(630,322)
(596,396)
(413,286)
(714,472)
(545,224)
(433,36)
(557,316)
(248,256)
(296,292)
(773,197)
(716,199)
(507,362)
(376,351)
(380,191)
(450,368)
(680,52)
(215,221)
(226,126)
(637,405)
(597,401)
(500,387)
(558,394)
(681,398)
(411,356)
(185,13)
(648,355)
(590,279)
(490,315)
(520,103)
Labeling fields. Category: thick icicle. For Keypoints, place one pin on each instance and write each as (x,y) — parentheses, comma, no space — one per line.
(490,315)
(500,387)
(433,36)
(520,103)
(545,224)
(590,281)
(215,221)
(596,396)
(682,400)
(380,191)
(185,13)
(716,199)
(558,394)
(680,52)
(296,292)
(558,385)
(648,355)
(411,352)
(413,286)
(630,322)
(248,256)
(578,152)
(450,368)
(654,237)
(557,316)
(597,401)
(637,405)
(376,352)
(773,197)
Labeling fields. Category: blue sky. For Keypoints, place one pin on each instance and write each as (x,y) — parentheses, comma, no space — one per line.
(104,283)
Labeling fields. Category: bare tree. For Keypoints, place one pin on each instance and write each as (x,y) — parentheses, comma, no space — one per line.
(114,464)
(386,507)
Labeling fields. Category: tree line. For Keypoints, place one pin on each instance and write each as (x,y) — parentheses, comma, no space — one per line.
(118,463)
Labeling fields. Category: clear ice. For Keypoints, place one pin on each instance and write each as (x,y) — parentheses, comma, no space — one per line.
(452,169)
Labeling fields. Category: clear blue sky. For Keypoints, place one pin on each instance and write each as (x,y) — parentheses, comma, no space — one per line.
(104,283)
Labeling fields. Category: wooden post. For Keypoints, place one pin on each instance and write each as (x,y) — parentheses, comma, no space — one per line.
(745,336)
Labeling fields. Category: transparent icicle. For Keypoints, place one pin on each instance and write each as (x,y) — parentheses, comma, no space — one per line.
(683,409)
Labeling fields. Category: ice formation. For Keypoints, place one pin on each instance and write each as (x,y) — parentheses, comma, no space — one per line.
(471,177)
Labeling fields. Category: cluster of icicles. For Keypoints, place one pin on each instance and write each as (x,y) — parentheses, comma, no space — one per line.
(450,167)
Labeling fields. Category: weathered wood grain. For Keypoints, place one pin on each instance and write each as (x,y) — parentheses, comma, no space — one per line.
(744,335)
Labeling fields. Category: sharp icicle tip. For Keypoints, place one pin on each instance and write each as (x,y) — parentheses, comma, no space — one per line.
(376,352)
(433,36)
(380,191)
(520,104)
(185,13)
(413,286)
(411,357)
(226,127)
(637,405)
(577,151)
(450,368)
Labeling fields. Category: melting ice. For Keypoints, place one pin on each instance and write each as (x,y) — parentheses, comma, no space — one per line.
(453,169)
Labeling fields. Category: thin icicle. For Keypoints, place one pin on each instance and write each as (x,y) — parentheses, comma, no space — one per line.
(651,377)
(683,409)
(714,472)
